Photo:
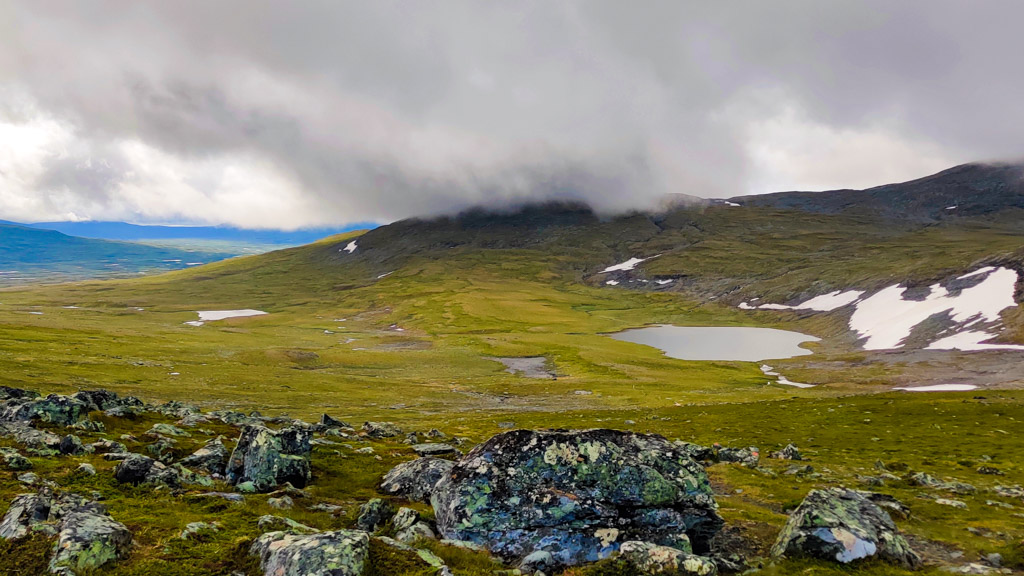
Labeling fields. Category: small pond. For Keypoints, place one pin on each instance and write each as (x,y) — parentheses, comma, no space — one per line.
(732,343)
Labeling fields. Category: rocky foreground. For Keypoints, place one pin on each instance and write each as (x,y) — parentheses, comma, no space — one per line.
(539,502)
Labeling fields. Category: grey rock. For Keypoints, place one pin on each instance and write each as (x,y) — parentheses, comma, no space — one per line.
(194,529)
(269,458)
(211,458)
(107,447)
(330,422)
(86,469)
(578,495)
(164,429)
(790,452)
(844,526)
(89,426)
(416,532)
(13,460)
(435,449)
(88,540)
(404,518)
(53,409)
(415,480)
(339,553)
(374,515)
(747,456)
(282,503)
(283,524)
(138,469)
(381,430)
(650,558)
(71,445)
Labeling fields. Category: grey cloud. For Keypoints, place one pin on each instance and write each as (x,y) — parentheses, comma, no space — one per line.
(389,109)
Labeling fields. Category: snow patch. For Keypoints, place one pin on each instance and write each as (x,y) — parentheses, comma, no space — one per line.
(939,388)
(622,266)
(970,340)
(612,282)
(385,275)
(886,318)
(214,315)
(662,282)
(727,203)
(350,247)
(780,379)
(824,303)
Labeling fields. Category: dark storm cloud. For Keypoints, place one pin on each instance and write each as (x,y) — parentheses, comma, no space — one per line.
(380,110)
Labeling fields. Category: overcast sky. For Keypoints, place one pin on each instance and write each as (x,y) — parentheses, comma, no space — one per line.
(275,113)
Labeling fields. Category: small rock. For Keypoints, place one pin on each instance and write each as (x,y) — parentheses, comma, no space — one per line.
(270,522)
(435,449)
(416,532)
(374,515)
(404,518)
(650,558)
(415,480)
(381,430)
(194,529)
(86,469)
(164,429)
(326,420)
(790,452)
(953,503)
(282,503)
(211,458)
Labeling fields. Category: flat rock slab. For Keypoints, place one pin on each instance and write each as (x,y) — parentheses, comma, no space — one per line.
(339,553)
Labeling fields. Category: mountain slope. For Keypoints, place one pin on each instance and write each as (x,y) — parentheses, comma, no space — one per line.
(967,190)
(135,232)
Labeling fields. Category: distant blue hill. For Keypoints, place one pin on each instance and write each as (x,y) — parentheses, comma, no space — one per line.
(134,232)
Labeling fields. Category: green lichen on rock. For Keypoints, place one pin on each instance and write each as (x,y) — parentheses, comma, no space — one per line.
(89,539)
(577,495)
(654,559)
(269,458)
(845,526)
(339,553)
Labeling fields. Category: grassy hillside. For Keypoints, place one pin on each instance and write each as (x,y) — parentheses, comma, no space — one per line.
(402,329)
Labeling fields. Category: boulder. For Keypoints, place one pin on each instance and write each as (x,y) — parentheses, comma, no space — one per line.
(374,515)
(165,429)
(575,494)
(13,459)
(415,480)
(414,533)
(339,553)
(71,445)
(89,539)
(38,512)
(106,447)
(404,518)
(8,393)
(138,469)
(649,558)
(101,399)
(381,430)
(843,525)
(89,426)
(39,440)
(328,421)
(747,456)
(212,457)
(268,458)
(54,409)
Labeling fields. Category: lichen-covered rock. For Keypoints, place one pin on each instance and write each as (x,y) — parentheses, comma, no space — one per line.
(106,447)
(843,525)
(138,469)
(71,445)
(8,393)
(416,532)
(404,518)
(42,441)
(374,515)
(177,409)
(165,429)
(280,523)
(89,426)
(747,456)
(339,553)
(381,430)
(577,495)
(197,529)
(89,539)
(162,450)
(695,451)
(102,399)
(13,459)
(269,458)
(54,409)
(282,503)
(415,480)
(30,512)
(212,457)
(650,558)
(790,452)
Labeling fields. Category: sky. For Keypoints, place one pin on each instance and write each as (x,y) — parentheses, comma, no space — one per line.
(287,114)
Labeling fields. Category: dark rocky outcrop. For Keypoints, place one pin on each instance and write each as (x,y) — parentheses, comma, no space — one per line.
(576,494)
(843,525)
(339,553)
(329,422)
(38,512)
(138,469)
(374,515)
(267,458)
(54,409)
(415,480)
(211,458)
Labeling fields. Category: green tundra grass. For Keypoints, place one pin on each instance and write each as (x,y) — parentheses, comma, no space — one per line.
(403,333)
